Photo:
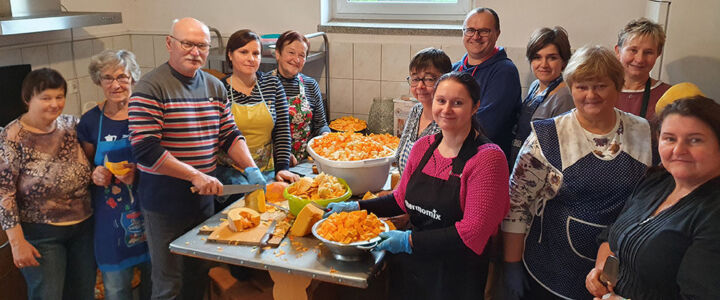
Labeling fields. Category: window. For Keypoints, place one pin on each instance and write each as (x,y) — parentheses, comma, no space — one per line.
(417,10)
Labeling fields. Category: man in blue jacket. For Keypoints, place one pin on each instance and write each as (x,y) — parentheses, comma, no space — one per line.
(495,73)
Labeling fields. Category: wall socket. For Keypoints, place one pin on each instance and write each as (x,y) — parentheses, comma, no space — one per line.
(73,86)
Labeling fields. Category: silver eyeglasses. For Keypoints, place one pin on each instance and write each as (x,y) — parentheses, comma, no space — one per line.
(122,78)
(187,46)
(414,81)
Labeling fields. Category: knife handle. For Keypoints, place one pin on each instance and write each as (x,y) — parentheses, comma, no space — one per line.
(265,239)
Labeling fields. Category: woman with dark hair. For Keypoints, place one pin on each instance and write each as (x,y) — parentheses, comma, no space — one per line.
(454,189)
(548,52)
(306,108)
(425,69)
(44,199)
(570,180)
(260,111)
(667,239)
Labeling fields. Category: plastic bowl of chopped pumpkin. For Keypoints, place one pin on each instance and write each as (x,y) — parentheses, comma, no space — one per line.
(362,160)
(350,235)
(323,190)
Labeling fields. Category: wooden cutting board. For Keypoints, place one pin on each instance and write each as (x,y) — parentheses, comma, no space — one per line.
(250,237)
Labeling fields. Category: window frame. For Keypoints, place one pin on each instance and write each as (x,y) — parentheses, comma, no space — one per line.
(402,11)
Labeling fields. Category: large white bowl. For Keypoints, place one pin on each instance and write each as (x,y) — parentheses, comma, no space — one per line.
(361,175)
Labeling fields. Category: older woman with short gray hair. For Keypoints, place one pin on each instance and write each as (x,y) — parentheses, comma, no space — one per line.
(103,132)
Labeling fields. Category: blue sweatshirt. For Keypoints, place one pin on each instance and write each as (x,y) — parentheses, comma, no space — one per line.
(500,96)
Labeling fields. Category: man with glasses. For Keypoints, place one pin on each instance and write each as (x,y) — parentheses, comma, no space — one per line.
(495,73)
(179,118)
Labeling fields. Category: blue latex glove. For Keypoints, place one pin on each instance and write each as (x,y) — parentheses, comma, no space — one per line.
(254,176)
(337,207)
(515,280)
(395,241)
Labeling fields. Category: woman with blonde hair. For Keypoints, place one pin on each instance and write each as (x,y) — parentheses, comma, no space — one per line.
(571,179)
(639,45)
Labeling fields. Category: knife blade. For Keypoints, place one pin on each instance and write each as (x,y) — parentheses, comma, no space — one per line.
(285,210)
(230,189)
(265,238)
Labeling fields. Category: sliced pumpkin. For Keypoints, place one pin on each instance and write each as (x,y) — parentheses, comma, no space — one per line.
(243,218)
(118,168)
(256,200)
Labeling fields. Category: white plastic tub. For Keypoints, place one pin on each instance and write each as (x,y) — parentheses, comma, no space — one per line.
(361,175)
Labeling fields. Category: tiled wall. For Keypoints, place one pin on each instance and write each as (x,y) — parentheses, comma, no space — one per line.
(359,71)
(82,92)
(362,71)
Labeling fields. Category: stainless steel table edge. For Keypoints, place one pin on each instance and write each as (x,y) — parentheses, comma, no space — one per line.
(327,277)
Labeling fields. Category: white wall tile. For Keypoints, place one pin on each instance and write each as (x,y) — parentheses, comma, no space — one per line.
(122,42)
(455,51)
(363,93)
(37,57)
(88,90)
(394,89)
(341,97)
(83,51)
(160,50)
(341,60)
(72,105)
(415,48)
(10,57)
(99,45)
(60,57)
(395,60)
(334,115)
(142,46)
(361,116)
(366,61)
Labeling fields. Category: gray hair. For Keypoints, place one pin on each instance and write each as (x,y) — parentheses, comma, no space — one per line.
(113,59)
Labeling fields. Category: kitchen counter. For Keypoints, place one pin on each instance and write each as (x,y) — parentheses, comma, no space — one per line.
(291,269)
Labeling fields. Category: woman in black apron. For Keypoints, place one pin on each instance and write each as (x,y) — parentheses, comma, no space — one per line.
(453,190)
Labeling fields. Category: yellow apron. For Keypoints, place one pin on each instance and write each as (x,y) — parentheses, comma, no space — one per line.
(256,124)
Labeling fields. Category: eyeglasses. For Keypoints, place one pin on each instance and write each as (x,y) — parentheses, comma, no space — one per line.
(122,79)
(414,81)
(483,32)
(187,46)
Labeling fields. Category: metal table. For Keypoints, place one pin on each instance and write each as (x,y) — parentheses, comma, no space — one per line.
(291,270)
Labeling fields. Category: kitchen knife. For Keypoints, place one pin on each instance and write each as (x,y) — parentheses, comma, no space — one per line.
(287,211)
(265,238)
(230,189)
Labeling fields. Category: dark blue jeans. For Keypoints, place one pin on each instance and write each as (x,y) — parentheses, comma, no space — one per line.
(175,276)
(67,266)
(118,284)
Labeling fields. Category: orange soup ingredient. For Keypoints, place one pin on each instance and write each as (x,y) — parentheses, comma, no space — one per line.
(348,123)
(350,227)
(350,146)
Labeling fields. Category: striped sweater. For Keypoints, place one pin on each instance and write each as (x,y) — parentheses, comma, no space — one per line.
(171,114)
(272,91)
(312,92)
(188,118)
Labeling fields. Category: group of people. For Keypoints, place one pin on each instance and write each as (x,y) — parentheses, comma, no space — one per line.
(590,177)
(564,179)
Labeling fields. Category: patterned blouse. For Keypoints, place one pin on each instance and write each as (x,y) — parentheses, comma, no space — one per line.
(44,178)
(410,135)
(535,181)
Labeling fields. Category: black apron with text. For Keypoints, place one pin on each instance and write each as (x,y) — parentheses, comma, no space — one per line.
(433,203)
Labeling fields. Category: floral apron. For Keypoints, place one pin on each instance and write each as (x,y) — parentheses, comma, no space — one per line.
(119,226)
(301,115)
